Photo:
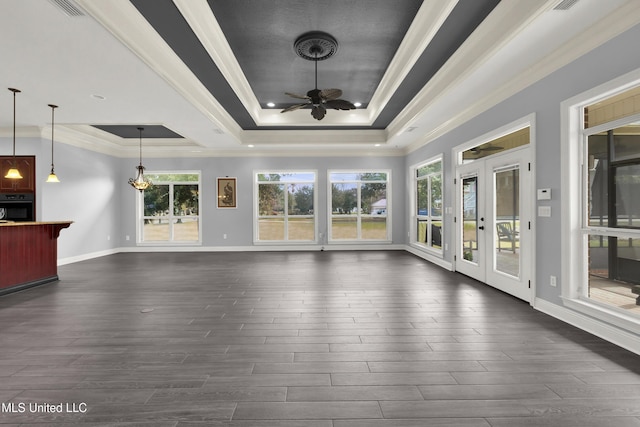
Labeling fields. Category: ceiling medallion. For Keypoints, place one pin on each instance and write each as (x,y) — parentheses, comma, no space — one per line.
(315,46)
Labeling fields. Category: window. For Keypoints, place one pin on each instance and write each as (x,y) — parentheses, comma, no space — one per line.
(612,213)
(601,208)
(285,206)
(360,206)
(170,208)
(427,215)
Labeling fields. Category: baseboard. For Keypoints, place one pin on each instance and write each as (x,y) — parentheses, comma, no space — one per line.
(264,248)
(84,257)
(617,336)
(429,257)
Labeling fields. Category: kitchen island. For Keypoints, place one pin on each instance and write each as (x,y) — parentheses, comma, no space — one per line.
(28,254)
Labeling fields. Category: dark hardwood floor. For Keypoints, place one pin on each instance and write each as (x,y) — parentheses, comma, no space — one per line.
(318,339)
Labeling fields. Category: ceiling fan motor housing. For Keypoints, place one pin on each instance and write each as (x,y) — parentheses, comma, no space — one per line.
(315,46)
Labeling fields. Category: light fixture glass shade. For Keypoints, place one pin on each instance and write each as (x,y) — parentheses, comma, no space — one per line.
(13,173)
(52,177)
(141,182)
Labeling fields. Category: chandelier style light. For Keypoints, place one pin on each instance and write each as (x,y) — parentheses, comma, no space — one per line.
(13,172)
(141,182)
(52,176)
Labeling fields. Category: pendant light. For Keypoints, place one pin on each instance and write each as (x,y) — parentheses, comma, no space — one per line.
(13,172)
(52,176)
(141,182)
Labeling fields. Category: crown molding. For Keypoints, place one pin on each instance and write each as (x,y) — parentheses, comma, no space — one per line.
(124,21)
(423,29)
(302,138)
(21,132)
(605,29)
(506,21)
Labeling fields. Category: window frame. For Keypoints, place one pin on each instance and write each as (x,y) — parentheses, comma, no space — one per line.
(286,215)
(359,215)
(415,217)
(140,217)
(575,219)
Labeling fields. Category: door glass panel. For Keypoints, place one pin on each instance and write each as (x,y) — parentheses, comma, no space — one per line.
(470,219)
(507,221)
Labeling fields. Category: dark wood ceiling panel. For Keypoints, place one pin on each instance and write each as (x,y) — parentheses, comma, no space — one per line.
(262,33)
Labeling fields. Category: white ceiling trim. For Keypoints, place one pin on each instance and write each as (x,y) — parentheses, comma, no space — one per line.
(328,138)
(501,26)
(200,18)
(606,28)
(124,21)
(423,29)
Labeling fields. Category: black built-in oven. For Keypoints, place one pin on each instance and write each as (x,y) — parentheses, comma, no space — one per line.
(16,207)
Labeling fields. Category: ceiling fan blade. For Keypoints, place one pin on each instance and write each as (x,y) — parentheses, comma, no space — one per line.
(318,112)
(489,148)
(330,94)
(295,95)
(340,104)
(294,107)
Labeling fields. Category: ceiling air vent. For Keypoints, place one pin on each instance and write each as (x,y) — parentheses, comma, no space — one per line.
(68,7)
(565,4)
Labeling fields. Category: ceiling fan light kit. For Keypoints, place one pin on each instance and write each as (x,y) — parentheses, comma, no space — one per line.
(317,46)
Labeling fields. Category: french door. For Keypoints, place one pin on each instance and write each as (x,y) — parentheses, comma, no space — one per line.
(493,222)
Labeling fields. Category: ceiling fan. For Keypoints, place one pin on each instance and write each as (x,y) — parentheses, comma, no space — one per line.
(318,46)
(480,149)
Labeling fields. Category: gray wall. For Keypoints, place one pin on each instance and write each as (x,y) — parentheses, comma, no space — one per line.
(238,223)
(94,192)
(603,64)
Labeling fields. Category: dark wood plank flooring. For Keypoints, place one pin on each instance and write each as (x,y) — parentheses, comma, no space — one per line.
(317,339)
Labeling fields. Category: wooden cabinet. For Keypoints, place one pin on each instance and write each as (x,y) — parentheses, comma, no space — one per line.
(29,254)
(27,167)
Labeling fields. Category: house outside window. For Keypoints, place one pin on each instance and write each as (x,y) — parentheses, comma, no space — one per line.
(360,206)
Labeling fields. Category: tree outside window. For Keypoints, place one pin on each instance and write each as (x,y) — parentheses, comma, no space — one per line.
(170,209)
(286,207)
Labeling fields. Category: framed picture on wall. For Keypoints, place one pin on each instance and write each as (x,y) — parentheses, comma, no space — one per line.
(226,192)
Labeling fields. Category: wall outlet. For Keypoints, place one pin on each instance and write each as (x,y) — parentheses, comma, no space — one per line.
(126,237)
(224,236)
(108,237)
(552,281)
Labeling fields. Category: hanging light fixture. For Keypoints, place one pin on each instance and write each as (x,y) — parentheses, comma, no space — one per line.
(52,176)
(13,172)
(141,182)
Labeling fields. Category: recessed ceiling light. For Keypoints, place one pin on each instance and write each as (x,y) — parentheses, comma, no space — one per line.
(271,104)
(250,145)
(357,104)
(377,145)
(100,97)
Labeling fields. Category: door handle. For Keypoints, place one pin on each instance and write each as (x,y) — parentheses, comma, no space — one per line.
(481,227)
